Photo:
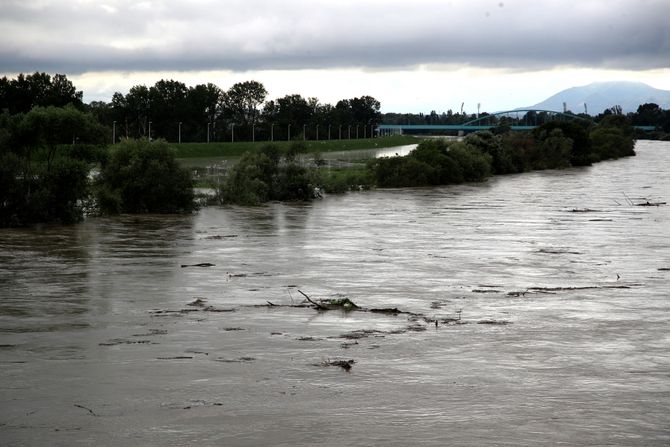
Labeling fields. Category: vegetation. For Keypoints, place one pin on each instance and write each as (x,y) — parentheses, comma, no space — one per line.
(554,145)
(192,150)
(265,175)
(205,113)
(50,143)
(143,177)
(45,159)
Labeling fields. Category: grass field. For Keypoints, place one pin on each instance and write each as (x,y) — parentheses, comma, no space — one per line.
(192,150)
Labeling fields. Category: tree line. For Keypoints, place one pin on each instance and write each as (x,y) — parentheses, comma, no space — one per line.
(648,114)
(57,163)
(205,113)
(270,174)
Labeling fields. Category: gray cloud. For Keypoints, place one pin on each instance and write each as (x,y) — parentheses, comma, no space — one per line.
(81,36)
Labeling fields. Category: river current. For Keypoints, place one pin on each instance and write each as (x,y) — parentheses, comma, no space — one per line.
(550,290)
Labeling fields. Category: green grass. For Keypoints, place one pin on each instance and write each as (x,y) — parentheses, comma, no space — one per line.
(192,150)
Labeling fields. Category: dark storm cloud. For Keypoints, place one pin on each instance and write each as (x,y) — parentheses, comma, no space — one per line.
(81,36)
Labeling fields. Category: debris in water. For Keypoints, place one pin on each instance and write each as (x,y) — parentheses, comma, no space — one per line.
(495,322)
(344,364)
(202,264)
(91,412)
(648,203)
(198,302)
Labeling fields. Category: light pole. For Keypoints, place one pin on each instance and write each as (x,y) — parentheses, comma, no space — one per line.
(149,130)
(253,133)
(179,132)
(232,133)
(272,132)
(114,132)
(208,132)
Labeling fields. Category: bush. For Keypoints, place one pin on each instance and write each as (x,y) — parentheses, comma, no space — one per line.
(42,194)
(143,177)
(580,153)
(265,175)
(475,165)
(611,142)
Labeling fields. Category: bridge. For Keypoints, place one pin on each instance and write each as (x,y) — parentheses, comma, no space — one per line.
(519,120)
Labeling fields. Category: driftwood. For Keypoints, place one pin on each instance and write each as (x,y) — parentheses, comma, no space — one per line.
(344,364)
(202,264)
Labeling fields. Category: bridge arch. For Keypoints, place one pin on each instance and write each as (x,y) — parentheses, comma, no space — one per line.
(530,118)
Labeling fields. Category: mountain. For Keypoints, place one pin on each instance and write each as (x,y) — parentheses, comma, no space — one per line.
(603,95)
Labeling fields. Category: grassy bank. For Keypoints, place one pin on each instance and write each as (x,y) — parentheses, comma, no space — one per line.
(192,150)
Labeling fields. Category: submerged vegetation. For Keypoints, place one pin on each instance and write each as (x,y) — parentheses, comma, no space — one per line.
(56,163)
(271,174)
(142,177)
(554,145)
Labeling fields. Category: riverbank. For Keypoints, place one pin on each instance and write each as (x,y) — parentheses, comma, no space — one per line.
(229,149)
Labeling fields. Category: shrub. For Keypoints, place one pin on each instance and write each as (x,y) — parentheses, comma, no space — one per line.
(265,175)
(143,177)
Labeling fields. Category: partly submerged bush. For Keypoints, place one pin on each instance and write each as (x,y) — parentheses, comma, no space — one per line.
(143,177)
(266,175)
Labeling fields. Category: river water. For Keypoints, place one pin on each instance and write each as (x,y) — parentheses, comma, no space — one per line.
(550,290)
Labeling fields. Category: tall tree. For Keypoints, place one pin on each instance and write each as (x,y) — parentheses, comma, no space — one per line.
(241,103)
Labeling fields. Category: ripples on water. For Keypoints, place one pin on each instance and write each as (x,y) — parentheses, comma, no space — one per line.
(578,274)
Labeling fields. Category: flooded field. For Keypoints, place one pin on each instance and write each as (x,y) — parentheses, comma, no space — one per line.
(549,289)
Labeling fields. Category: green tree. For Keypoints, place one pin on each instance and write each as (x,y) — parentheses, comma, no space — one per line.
(266,175)
(144,177)
(21,94)
(44,175)
(167,108)
(241,104)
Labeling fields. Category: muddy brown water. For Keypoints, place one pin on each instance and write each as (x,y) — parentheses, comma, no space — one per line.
(560,282)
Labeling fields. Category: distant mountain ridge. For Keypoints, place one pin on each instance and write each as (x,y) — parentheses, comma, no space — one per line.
(599,96)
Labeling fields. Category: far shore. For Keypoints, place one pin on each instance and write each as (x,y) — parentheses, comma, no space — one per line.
(228,149)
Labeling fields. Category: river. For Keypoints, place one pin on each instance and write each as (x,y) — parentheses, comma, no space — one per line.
(550,290)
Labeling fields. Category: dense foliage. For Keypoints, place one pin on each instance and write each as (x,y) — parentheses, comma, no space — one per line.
(50,142)
(266,175)
(171,110)
(143,177)
(45,159)
(554,145)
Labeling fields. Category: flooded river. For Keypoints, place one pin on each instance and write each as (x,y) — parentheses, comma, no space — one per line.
(550,290)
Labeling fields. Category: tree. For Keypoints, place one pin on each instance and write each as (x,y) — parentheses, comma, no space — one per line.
(202,108)
(137,109)
(45,160)
(39,89)
(240,104)
(55,129)
(580,154)
(143,177)
(648,114)
(167,108)
(265,175)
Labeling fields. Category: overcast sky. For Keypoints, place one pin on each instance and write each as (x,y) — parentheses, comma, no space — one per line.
(417,55)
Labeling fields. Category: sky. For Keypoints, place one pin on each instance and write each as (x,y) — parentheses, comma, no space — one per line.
(413,56)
